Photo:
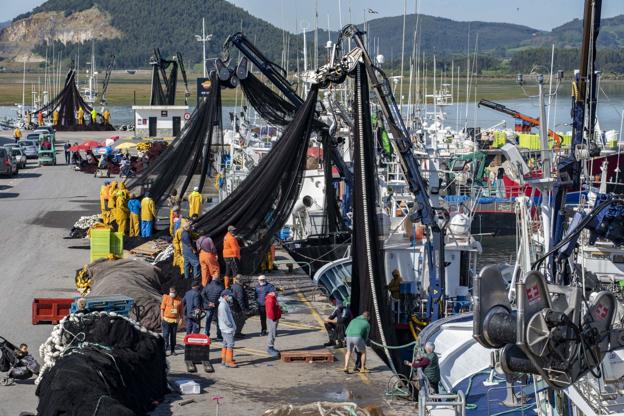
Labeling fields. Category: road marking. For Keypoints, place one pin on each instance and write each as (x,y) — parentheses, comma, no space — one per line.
(253,351)
(291,324)
(320,320)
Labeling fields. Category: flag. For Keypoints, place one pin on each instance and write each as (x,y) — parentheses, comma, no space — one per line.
(371,11)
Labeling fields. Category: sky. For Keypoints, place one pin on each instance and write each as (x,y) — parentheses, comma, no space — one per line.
(293,15)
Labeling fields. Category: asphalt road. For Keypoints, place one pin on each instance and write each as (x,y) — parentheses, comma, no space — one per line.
(37,209)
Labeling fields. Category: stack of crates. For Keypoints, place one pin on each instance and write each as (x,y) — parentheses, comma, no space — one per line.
(104,242)
(119,304)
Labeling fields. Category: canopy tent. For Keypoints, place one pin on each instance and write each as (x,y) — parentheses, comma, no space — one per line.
(261,204)
(67,103)
(189,154)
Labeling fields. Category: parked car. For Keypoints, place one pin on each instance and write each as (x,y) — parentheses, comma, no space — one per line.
(7,166)
(30,148)
(20,157)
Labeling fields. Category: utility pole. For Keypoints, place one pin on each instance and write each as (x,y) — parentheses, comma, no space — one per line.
(203,39)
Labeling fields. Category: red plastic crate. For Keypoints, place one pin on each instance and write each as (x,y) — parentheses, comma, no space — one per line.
(50,310)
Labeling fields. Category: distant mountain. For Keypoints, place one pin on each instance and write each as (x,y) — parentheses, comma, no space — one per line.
(4,24)
(131,29)
(569,35)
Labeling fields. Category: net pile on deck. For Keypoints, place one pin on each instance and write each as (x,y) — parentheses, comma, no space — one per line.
(188,154)
(261,204)
(367,279)
(67,103)
(101,364)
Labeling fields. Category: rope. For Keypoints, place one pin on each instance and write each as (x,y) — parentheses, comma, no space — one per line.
(393,347)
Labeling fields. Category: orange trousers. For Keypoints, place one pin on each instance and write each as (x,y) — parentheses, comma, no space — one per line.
(209,266)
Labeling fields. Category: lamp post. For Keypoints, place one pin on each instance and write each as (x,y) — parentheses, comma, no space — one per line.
(203,39)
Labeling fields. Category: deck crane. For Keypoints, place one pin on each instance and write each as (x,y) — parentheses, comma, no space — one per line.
(435,218)
(109,70)
(525,122)
(275,74)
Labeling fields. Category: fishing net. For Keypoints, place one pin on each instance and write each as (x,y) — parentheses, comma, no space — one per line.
(163,85)
(261,204)
(271,107)
(368,280)
(187,156)
(101,364)
(67,103)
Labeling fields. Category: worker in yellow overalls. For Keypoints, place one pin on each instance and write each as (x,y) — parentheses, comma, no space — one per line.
(93,115)
(55,118)
(121,208)
(110,205)
(17,134)
(195,202)
(106,116)
(178,258)
(80,118)
(104,195)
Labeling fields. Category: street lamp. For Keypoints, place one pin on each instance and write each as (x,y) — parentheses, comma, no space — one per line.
(204,38)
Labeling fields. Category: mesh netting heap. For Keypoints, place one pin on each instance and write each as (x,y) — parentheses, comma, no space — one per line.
(261,204)
(368,279)
(101,364)
(67,103)
(187,155)
(271,107)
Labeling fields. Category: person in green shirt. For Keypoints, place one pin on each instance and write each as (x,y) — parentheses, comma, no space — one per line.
(429,363)
(357,336)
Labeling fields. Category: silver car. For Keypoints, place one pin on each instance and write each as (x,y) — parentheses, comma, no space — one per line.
(30,148)
(18,154)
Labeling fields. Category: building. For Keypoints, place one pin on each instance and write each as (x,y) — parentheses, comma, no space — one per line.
(160,120)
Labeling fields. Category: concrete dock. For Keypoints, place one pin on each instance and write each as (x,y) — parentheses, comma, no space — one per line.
(39,206)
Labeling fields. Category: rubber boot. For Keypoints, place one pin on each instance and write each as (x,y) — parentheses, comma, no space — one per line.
(229,358)
(223,356)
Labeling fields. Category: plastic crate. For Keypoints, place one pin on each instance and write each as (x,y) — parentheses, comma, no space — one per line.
(100,244)
(196,348)
(116,244)
(119,304)
(50,310)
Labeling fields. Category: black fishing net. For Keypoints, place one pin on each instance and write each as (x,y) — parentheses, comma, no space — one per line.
(188,157)
(163,85)
(67,103)
(368,279)
(271,107)
(109,367)
(261,204)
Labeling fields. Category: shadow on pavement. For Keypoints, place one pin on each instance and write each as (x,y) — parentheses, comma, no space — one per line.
(9,195)
(29,175)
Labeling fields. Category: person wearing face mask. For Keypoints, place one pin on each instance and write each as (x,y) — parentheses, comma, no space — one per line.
(170,315)
(262,289)
(228,328)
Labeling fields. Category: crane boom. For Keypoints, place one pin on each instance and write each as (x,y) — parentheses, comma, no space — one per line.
(531,121)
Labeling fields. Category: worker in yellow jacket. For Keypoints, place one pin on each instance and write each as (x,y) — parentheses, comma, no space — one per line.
(104,195)
(110,203)
(121,208)
(134,206)
(17,134)
(55,117)
(106,116)
(195,202)
(80,117)
(178,258)
(148,215)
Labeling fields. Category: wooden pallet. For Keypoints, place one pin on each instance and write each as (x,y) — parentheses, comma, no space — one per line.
(150,248)
(308,356)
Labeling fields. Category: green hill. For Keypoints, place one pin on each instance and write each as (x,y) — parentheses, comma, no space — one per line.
(167,24)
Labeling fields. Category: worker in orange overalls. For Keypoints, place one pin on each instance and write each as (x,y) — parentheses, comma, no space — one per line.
(40,118)
(208,259)
(231,255)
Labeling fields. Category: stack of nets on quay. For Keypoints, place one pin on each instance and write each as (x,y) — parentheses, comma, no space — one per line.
(135,278)
(67,103)
(101,364)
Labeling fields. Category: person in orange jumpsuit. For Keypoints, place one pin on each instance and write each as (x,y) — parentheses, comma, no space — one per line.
(208,259)
(231,255)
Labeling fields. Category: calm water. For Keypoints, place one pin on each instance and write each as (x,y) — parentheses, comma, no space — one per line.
(497,250)
(610,110)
